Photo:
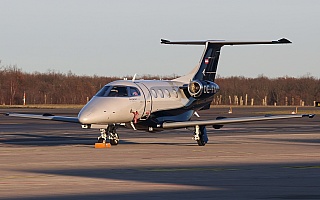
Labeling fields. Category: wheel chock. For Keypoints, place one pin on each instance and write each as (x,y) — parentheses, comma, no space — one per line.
(102,145)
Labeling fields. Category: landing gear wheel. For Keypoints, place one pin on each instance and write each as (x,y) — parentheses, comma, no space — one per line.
(109,134)
(200,135)
(112,135)
(201,141)
(114,139)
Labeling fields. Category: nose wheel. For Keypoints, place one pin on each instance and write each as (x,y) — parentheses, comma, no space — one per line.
(114,138)
(109,134)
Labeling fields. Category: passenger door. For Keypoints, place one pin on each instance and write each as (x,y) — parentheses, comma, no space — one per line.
(137,102)
(147,100)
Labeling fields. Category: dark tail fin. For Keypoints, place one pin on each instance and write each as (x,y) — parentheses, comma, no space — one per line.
(208,63)
(207,68)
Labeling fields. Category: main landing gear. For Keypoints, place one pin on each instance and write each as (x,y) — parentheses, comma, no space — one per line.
(200,135)
(109,133)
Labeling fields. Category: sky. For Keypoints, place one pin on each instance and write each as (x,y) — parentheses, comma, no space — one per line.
(122,37)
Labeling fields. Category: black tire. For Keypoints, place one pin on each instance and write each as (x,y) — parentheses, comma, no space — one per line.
(201,142)
(203,138)
(115,141)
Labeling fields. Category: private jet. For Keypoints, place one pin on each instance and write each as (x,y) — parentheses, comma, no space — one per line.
(156,105)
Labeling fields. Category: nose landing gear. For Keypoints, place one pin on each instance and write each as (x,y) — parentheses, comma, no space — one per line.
(109,133)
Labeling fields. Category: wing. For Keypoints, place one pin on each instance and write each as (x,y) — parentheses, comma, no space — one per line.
(46,117)
(219,122)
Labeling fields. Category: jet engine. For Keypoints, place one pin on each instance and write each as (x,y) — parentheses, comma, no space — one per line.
(197,88)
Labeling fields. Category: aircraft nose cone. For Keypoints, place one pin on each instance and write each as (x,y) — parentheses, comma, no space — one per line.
(87,114)
(92,113)
(84,117)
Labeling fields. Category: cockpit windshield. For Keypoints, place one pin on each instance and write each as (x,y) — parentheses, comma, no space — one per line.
(118,91)
(103,92)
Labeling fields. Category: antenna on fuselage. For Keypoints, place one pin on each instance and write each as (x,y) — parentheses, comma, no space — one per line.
(134,77)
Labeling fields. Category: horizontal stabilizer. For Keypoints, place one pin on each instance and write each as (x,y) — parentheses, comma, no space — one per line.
(225,42)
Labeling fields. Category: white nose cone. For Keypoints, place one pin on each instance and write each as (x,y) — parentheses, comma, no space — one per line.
(84,116)
(92,112)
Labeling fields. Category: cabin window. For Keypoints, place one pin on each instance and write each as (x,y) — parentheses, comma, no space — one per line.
(167,93)
(154,93)
(160,93)
(134,91)
(175,93)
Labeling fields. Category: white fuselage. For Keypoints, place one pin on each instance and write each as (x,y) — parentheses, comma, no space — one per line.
(153,96)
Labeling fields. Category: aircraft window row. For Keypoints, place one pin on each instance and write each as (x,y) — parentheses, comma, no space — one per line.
(161,94)
(118,91)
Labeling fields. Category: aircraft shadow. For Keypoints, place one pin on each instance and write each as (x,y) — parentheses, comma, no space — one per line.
(29,139)
(256,181)
(44,140)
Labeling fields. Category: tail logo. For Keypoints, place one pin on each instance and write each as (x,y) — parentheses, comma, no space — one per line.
(206,61)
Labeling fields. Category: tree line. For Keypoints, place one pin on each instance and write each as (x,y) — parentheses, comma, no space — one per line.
(283,91)
(59,88)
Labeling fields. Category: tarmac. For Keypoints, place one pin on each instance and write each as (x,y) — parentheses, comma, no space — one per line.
(42,159)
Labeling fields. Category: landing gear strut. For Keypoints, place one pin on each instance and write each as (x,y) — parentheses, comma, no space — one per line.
(200,135)
(109,133)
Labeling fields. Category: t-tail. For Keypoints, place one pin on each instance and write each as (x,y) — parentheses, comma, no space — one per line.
(207,68)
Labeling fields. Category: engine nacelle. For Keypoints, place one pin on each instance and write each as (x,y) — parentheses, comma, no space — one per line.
(197,88)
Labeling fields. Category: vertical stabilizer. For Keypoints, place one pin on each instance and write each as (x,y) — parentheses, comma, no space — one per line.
(208,63)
